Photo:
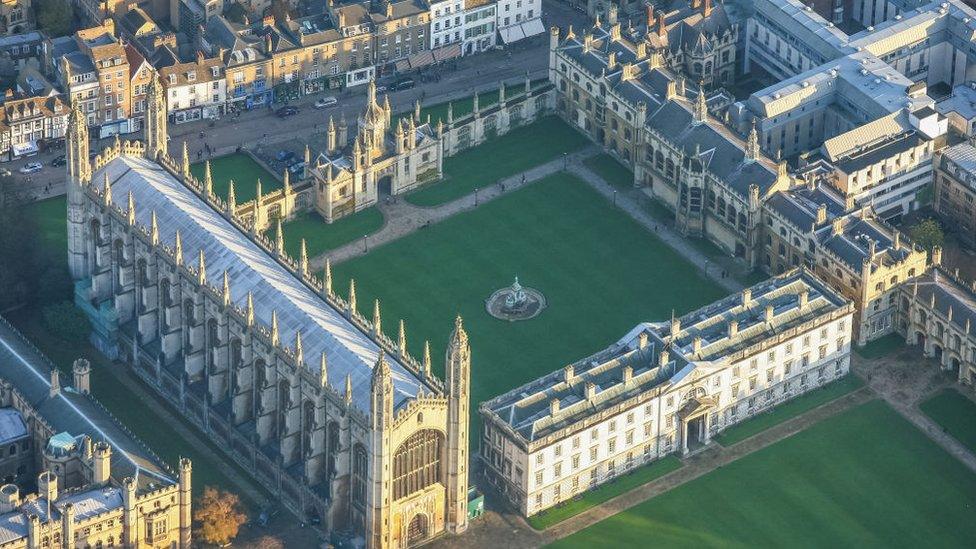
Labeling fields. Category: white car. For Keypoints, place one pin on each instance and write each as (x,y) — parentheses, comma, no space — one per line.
(31,167)
(4,172)
(326,102)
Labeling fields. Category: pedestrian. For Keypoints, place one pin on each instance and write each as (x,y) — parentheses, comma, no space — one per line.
(523,179)
(201,134)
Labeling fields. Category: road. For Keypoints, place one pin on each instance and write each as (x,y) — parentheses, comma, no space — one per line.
(479,72)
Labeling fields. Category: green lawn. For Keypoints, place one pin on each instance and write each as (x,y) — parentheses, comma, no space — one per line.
(50,218)
(881,347)
(321,237)
(612,171)
(789,410)
(865,478)
(245,172)
(955,413)
(498,158)
(600,271)
(605,492)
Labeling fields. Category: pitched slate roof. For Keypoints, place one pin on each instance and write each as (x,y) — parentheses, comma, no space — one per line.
(252,270)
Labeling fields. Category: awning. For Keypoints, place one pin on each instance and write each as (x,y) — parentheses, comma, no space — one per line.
(22,149)
(402,65)
(533,27)
(447,52)
(511,34)
(421,59)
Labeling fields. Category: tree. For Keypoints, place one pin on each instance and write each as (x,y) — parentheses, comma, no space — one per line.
(927,234)
(66,322)
(55,17)
(218,516)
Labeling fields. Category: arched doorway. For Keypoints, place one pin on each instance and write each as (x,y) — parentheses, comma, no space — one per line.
(385,185)
(954,365)
(417,531)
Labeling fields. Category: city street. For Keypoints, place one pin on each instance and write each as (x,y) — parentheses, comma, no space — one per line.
(261,126)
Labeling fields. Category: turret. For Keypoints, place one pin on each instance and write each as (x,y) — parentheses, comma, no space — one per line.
(381,414)
(79,176)
(101,463)
(155,126)
(457,374)
(81,370)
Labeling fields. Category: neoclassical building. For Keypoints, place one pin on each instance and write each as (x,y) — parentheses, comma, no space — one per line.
(665,387)
(332,416)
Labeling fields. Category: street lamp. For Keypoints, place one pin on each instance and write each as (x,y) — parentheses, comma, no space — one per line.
(565,161)
(476,196)
(365,246)
(614,197)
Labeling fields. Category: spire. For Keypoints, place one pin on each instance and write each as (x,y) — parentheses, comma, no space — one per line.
(416,111)
(227,299)
(352,295)
(377,321)
(426,362)
(155,125)
(348,394)
(323,371)
(178,248)
(231,198)
(475,104)
(131,211)
(79,165)
(303,260)
(501,93)
(249,311)
(402,338)
(275,335)
(286,183)
(450,113)
(153,229)
(207,180)
(701,107)
(107,190)
(201,269)
(381,369)
(299,352)
(327,277)
(279,239)
(371,94)
(752,144)
(186,160)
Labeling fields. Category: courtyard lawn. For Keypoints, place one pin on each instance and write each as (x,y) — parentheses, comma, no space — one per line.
(955,413)
(882,346)
(320,237)
(50,219)
(611,170)
(600,272)
(789,410)
(605,492)
(498,158)
(245,172)
(865,478)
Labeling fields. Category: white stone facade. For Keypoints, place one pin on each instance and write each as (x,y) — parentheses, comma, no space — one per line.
(446,23)
(662,389)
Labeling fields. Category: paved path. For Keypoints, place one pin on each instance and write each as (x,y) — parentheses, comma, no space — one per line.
(630,203)
(493,526)
(402,218)
(905,379)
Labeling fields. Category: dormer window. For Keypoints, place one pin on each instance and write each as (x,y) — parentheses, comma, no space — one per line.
(191,76)
(215,71)
(172,79)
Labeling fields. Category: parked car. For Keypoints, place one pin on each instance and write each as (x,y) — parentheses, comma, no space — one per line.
(4,172)
(326,102)
(285,112)
(31,167)
(404,84)
(59,160)
(380,89)
(284,156)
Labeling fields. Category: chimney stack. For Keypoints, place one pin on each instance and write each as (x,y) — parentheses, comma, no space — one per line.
(770,313)
(627,374)
(642,340)
(590,390)
(696,345)
(747,297)
(822,214)
(55,382)
(803,298)
(733,328)
(568,373)
(664,358)
(554,407)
